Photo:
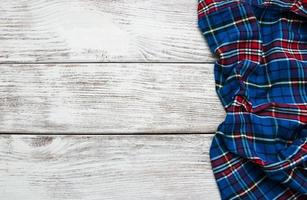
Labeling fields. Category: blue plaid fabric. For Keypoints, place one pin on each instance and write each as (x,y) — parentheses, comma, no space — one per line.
(260,150)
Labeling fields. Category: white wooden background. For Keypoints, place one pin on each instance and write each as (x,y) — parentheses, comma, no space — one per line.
(105,99)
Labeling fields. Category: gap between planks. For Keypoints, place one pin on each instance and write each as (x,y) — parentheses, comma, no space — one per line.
(105,134)
(107,62)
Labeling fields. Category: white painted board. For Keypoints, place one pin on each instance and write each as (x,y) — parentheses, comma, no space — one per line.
(152,167)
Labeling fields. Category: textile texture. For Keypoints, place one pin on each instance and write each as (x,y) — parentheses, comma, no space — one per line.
(260,150)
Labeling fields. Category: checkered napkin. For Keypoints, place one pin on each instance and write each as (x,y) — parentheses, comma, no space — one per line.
(260,150)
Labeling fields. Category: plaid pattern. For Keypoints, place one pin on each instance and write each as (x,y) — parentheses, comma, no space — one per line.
(260,150)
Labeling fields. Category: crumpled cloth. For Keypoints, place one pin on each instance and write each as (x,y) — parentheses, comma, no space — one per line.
(260,150)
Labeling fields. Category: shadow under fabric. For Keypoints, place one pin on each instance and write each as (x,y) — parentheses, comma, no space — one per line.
(260,150)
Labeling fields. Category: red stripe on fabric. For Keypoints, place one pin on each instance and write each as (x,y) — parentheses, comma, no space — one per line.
(221,160)
(228,170)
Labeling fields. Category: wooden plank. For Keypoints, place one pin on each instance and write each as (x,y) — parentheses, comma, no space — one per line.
(95,31)
(149,167)
(108,98)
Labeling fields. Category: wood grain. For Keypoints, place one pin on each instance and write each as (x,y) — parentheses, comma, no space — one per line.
(100,31)
(137,86)
(106,167)
(108,98)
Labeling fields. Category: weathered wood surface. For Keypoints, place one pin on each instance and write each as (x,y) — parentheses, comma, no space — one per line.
(108,98)
(149,167)
(95,31)
(127,91)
